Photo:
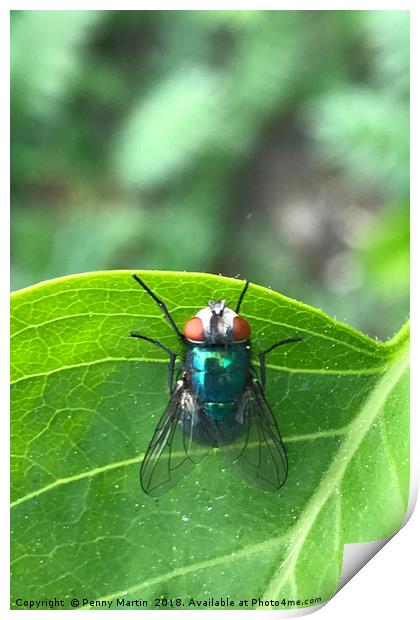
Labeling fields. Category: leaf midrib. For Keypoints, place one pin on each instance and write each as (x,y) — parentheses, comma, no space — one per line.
(358,429)
(310,371)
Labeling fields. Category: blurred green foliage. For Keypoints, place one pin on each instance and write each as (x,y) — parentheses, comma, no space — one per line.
(270,144)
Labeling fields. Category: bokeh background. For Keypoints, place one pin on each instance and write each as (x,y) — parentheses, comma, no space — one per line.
(267,144)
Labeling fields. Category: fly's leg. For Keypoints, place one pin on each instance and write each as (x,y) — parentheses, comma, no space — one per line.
(161,305)
(172,357)
(263,372)
(262,356)
(241,297)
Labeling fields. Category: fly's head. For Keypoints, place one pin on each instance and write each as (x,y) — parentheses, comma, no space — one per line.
(217,324)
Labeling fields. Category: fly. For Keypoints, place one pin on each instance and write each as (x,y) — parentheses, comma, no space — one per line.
(215,400)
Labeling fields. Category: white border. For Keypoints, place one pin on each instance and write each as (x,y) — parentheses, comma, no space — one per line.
(388,584)
(4,320)
(227,5)
(386,5)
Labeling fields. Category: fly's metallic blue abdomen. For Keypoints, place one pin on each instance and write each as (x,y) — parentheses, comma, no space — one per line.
(218,376)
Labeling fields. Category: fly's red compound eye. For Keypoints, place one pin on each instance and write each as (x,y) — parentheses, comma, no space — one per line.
(241,328)
(194,330)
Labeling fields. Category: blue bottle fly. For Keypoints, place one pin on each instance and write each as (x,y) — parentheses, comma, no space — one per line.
(216,400)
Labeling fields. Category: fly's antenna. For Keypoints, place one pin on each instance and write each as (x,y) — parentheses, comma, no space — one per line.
(161,305)
(241,297)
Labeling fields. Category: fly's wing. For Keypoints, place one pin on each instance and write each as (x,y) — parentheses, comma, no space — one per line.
(172,453)
(259,450)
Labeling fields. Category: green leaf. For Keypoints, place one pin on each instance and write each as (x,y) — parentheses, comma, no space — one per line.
(168,128)
(47,49)
(389,35)
(385,252)
(366,133)
(86,399)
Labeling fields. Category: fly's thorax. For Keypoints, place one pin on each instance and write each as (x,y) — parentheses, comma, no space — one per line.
(218,374)
(203,357)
